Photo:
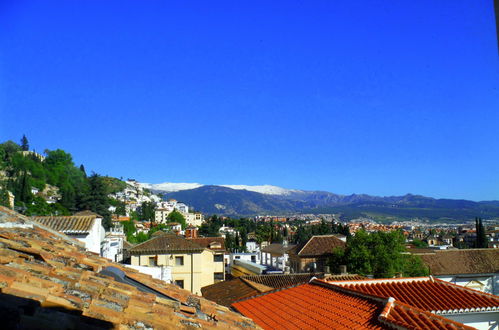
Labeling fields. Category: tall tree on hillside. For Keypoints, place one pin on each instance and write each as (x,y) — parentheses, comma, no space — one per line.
(96,200)
(24,143)
(147,211)
(82,169)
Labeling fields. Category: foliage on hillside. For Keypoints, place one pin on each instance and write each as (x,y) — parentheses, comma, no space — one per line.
(54,176)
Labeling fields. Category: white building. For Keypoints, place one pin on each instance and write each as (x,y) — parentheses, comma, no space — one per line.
(160,215)
(194,219)
(112,246)
(251,257)
(227,230)
(85,227)
(163,273)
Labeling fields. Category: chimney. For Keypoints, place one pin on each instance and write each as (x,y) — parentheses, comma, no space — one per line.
(191,232)
(343,269)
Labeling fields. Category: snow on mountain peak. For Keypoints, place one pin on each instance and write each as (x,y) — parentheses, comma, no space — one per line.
(170,186)
(262,189)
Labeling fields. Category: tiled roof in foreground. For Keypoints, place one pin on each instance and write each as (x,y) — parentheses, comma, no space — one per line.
(227,292)
(321,305)
(48,281)
(426,293)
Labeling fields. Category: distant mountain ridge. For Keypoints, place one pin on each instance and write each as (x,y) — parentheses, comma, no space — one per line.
(241,200)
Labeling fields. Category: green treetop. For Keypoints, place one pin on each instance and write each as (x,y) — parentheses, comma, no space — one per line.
(176,216)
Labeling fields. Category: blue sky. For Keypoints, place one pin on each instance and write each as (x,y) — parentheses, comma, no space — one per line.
(384,98)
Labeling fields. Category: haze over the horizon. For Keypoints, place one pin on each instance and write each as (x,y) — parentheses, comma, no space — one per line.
(354,97)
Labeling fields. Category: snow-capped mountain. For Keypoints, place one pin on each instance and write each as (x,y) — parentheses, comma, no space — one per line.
(262,189)
(170,186)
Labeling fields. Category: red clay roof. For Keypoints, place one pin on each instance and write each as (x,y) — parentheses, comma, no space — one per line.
(426,293)
(322,306)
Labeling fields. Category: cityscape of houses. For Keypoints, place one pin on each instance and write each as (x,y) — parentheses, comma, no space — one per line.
(282,275)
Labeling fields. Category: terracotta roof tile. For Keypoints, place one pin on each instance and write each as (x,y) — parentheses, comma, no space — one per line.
(209,242)
(323,306)
(282,280)
(321,245)
(344,277)
(426,293)
(68,224)
(226,292)
(468,261)
(166,243)
(47,280)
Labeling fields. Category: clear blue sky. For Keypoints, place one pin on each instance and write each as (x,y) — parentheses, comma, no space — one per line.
(383,98)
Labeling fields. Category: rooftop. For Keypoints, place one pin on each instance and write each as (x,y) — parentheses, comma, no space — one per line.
(166,243)
(426,293)
(73,224)
(470,261)
(278,248)
(210,242)
(47,280)
(321,245)
(227,292)
(321,305)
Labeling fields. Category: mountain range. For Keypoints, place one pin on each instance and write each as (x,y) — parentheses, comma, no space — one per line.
(243,200)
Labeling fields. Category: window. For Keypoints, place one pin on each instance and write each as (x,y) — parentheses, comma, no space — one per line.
(218,258)
(179,283)
(253,258)
(152,261)
(179,261)
(218,277)
(238,257)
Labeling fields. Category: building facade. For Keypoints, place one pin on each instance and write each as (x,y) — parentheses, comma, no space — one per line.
(192,265)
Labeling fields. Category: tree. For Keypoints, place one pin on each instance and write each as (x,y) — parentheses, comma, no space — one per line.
(481,237)
(82,169)
(4,197)
(176,216)
(379,254)
(148,211)
(24,143)
(97,200)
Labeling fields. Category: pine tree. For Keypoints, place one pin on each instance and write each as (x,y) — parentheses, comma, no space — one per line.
(481,238)
(82,168)
(24,143)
